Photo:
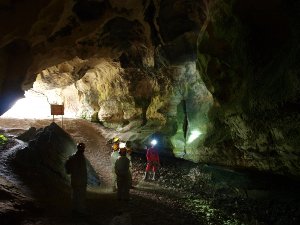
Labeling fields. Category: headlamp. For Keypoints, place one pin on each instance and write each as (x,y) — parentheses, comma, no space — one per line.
(153,142)
(122,145)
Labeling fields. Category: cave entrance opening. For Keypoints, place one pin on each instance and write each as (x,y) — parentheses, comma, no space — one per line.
(33,106)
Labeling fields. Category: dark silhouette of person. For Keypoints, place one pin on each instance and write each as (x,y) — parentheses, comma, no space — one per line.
(123,175)
(113,157)
(76,167)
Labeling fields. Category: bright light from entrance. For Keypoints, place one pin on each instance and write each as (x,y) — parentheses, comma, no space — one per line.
(32,106)
(194,134)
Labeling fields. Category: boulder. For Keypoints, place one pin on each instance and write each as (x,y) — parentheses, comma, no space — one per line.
(47,153)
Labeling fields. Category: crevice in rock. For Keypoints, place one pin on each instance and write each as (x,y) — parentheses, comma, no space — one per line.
(185,120)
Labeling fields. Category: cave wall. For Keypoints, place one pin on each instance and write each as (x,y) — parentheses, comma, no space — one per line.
(219,80)
(248,59)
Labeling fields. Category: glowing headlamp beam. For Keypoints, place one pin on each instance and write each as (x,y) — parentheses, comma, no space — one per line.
(153,142)
(194,135)
(122,145)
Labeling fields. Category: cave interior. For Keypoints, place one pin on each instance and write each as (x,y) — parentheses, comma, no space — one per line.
(216,82)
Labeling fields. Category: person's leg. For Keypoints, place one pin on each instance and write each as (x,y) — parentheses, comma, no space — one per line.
(79,199)
(123,188)
(74,200)
(130,181)
(114,181)
(154,169)
(148,168)
(127,185)
(119,188)
(82,199)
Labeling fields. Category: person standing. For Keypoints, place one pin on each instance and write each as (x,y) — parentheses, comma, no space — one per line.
(76,167)
(123,175)
(153,161)
(113,157)
(128,154)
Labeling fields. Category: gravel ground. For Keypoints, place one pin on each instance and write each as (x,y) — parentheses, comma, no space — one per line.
(184,193)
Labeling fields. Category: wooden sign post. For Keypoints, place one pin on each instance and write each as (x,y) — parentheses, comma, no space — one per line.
(58,110)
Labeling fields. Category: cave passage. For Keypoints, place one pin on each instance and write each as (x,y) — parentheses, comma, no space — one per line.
(215,81)
(32,106)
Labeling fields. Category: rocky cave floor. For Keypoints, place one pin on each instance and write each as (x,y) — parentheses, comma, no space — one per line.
(184,193)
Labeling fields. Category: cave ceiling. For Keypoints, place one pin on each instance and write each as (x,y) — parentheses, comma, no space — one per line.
(219,80)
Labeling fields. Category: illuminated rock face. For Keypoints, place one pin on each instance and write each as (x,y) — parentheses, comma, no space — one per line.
(219,79)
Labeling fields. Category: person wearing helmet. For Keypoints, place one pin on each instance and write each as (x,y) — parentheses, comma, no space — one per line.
(113,157)
(128,154)
(76,167)
(123,174)
(152,160)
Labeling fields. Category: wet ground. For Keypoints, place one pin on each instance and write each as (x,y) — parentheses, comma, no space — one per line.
(185,193)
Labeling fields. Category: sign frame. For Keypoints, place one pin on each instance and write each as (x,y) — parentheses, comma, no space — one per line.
(57,109)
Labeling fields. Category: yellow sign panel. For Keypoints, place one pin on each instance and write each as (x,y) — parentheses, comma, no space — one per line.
(57,109)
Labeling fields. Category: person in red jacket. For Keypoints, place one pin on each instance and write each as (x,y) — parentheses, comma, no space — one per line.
(152,160)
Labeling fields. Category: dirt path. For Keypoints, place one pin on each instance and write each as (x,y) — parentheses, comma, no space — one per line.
(97,151)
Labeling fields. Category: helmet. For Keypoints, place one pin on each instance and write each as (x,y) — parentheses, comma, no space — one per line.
(153,142)
(116,139)
(122,145)
(122,150)
(81,146)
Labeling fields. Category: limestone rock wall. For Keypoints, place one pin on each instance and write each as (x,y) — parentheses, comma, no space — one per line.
(247,58)
(218,80)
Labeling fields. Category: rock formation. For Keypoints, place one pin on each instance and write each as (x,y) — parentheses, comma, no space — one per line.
(47,153)
(219,79)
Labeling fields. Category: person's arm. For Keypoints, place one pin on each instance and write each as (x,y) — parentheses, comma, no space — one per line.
(157,157)
(112,160)
(116,167)
(148,155)
(69,165)
(130,162)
